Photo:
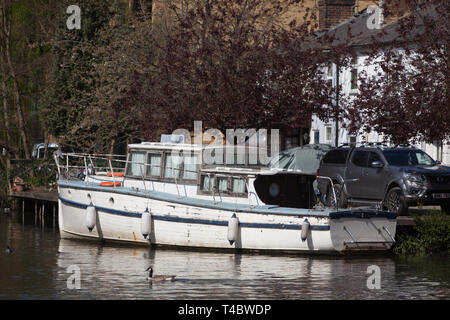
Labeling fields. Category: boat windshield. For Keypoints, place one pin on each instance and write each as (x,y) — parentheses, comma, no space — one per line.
(401,158)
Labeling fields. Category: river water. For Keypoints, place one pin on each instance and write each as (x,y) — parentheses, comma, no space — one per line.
(43,266)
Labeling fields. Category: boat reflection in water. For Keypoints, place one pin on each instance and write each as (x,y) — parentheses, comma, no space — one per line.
(108,271)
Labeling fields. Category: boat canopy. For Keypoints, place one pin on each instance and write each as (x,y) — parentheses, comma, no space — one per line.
(305,159)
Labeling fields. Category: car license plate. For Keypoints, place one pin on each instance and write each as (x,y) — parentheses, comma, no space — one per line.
(441,195)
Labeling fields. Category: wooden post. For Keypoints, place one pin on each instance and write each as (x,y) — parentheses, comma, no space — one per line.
(23,211)
(35,213)
(43,214)
(54,216)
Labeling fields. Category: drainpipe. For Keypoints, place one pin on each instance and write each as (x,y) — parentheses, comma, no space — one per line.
(337,106)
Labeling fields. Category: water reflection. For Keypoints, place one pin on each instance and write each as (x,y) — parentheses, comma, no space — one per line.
(38,269)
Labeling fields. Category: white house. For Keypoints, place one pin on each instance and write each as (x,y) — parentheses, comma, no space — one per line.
(359,29)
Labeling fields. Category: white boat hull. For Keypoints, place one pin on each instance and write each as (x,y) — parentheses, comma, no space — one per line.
(176,223)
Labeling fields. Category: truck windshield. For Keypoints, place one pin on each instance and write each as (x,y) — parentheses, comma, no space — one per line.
(402,158)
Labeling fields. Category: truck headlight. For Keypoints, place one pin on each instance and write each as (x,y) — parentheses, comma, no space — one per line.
(414,179)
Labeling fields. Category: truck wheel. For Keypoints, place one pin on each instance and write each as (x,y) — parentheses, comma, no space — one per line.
(395,202)
(340,195)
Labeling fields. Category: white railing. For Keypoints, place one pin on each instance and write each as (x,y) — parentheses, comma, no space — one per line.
(114,164)
(332,188)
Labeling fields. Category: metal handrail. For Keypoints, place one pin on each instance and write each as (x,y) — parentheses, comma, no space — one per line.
(332,187)
(125,162)
(142,167)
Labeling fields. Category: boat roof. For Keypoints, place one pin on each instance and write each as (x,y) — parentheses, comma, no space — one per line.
(165,146)
(186,146)
(237,170)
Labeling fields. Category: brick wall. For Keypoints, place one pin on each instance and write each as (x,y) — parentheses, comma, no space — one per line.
(332,12)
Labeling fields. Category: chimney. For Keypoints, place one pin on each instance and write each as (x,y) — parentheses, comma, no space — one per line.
(333,12)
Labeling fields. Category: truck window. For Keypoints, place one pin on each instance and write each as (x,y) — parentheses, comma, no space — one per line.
(336,156)
(359,158)
(374,157)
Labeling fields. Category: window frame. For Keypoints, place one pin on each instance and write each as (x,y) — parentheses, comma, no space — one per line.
(129,163)
(354,78)
(161,177)
(180,178)
(161,153)
(215,190)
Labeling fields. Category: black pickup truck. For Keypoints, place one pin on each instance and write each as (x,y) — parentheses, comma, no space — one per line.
(392,177)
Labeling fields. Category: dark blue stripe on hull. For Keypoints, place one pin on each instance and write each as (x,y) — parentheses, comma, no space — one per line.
(195,221)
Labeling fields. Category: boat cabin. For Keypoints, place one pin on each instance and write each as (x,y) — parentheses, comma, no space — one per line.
(228,173)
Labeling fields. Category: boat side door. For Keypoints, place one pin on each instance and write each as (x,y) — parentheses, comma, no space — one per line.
(354,171)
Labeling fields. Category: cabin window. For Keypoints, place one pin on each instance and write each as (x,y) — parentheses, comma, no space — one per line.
(172,166)
(238,185)
(222,184)
(154,165)
(190,167)
(206,183)
(136,163)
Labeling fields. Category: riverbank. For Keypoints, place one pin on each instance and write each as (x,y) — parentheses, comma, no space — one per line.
(429,236)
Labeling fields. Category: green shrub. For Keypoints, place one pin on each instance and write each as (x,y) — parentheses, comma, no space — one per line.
(431,235)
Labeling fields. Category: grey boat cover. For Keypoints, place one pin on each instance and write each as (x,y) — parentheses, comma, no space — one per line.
(305,159)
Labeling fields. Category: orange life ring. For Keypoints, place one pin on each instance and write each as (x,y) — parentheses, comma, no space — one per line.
(109,184)
(116,174)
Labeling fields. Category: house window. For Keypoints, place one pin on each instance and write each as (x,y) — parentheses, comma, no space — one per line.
(316,137)
(330,70)
(328,133)
(354,79)
(330,85)
(353,141)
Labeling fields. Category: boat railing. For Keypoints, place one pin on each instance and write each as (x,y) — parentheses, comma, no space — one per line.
(332,188)
(77,166)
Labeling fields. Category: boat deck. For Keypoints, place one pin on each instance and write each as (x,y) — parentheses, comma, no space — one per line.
(228,206)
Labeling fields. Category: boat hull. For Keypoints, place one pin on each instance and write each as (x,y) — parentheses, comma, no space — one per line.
(175,223)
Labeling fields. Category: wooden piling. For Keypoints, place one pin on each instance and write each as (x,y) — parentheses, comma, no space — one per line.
(54,216)
(43,214)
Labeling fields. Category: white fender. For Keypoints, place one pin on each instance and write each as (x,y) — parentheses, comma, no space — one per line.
(233,228)
(146,223)
(91,217)
(305,229)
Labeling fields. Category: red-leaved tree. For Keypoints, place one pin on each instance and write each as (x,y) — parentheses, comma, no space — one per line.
(231,64)
(407,98)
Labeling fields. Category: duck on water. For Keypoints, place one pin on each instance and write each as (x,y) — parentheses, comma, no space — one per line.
(158,278)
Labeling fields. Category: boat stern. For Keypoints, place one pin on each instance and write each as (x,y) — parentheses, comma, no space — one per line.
(362,230)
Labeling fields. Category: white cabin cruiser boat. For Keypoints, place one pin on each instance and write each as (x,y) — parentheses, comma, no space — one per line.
(162,195)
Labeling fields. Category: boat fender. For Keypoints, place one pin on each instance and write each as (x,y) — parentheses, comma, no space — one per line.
(305,229)
(233,228)
(146,223)
(91,217)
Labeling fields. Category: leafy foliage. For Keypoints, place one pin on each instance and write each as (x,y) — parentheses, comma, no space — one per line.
(408,100)
(432,235)
(69,94)
(230,64)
